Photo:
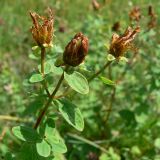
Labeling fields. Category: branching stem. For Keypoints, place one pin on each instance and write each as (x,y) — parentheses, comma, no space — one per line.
(52,96)
(43,112)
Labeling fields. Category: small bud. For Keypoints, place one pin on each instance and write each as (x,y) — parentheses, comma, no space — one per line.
(120,44)
(76,50)
(42,33)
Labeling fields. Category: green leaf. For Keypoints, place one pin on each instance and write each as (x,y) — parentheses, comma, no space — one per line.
(135,150)
(8,156)
(47,68)
(77,82)
(35,48)
(141,118)
(36,78)
(51,132)
(33,56)
(26,134)
(107,81)
(123,59)
(29,152)
(53,138)
(54,69)
(157,143)
(111,155)
(58,156)
(59,147)
(43,148)
(127,115)
(110,57)
(71,114)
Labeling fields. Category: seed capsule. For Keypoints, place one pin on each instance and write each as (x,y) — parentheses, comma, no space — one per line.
(120,44)
(76,50)
(135,14)
(42,33)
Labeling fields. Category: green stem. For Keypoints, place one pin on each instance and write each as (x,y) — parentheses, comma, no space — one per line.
(49,102)
(43,50)
(87,142)
(114,89)
(110,105)
(100,71)
(42,60)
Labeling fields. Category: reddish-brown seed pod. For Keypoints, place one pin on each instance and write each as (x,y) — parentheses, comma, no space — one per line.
(120,44)
(76,50)
(42,33)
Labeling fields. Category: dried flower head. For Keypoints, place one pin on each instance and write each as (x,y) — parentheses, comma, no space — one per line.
(135,14)
(42,29)
(116,26)
(150,11)
(120,44)
(76,50)
(153,18)
(96,5)
(62,29)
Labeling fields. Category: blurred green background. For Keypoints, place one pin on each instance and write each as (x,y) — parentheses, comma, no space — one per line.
(132,130)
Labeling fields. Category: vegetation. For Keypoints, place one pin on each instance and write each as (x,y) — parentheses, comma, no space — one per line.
(79,80)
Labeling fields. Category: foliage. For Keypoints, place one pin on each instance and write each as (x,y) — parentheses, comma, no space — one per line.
(111,115)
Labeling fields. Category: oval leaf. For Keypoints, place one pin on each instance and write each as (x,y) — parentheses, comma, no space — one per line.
(26,134)
(71,114)
(59,147)
(28,152)
(77,82)
(110,57)
(107,81)
(36,78)
(51,133)
(56,70)
(58,156)
(43,148)
(53,68)
(53,138)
